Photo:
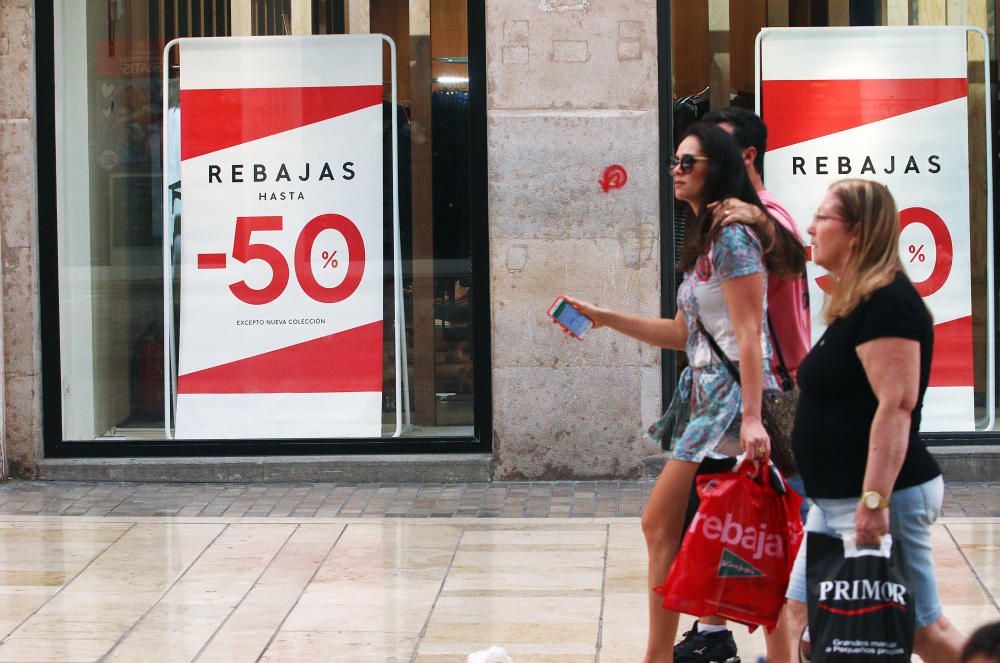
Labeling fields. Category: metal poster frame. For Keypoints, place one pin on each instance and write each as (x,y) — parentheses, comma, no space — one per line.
(990,266)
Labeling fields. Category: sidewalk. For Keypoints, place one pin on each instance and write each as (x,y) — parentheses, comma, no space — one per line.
(536,499)
(317,572)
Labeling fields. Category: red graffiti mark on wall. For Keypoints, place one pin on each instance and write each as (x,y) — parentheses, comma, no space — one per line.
(614,177)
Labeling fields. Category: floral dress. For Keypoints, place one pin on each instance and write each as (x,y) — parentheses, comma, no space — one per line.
(705,414)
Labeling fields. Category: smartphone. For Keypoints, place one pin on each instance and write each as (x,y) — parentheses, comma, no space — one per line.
(569,317)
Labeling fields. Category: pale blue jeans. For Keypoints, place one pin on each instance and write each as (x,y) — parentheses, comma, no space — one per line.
(912,511)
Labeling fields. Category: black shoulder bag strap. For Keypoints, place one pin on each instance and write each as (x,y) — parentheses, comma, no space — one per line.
(787,384)
(730,366)
(786,378)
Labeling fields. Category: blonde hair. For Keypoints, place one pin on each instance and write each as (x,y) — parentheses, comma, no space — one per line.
(869,207)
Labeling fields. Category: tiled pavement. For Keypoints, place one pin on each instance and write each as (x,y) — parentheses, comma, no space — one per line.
(272,573)
(538,499)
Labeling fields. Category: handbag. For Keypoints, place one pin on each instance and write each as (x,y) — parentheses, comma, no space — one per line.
(738,551)
(860,609)
(777,408)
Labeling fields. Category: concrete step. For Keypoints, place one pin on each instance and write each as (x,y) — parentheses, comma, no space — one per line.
(399,468)
(958,463)
(969,463)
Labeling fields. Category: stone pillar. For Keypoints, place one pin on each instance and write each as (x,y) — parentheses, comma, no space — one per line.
(21,374)
(571,91)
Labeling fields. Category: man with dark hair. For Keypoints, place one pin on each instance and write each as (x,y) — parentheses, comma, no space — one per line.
(710,640)
(983,646)
(788,301)
(748,130)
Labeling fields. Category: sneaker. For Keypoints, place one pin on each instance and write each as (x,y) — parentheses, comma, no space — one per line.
(695,647)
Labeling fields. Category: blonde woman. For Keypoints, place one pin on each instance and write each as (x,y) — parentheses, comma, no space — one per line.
(861,389)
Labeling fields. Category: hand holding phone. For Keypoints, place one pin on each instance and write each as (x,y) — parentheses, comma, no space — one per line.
(570,318)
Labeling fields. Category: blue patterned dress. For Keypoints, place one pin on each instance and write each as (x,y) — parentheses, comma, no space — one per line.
(705,414)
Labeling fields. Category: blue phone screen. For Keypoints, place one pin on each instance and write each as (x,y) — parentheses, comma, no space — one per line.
(572,319)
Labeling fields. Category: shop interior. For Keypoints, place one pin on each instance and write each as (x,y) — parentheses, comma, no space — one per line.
(111,283)
(712,55)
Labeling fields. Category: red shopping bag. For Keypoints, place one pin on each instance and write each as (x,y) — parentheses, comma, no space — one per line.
(738,551)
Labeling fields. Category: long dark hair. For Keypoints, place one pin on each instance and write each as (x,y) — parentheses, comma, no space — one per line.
(784,254)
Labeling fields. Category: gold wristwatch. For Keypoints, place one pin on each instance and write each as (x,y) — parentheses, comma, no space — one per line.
(873,500)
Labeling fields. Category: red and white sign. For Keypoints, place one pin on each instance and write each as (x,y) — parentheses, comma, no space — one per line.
(888,105)
(281,238)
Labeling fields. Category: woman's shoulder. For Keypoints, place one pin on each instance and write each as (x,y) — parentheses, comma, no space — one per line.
(897,303)
(737,252)
(899,290)
(738,236)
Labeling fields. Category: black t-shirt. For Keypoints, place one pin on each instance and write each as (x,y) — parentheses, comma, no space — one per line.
(837,404)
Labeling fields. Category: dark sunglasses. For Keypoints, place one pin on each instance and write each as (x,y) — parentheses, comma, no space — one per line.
(686,162)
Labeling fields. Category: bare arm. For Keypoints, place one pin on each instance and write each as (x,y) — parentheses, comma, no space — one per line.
(661,332)
(745,302)
(892,366)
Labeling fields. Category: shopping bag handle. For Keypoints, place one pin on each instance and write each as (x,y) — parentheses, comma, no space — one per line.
(759,470)
(851,549)
(752,468)
(748,466)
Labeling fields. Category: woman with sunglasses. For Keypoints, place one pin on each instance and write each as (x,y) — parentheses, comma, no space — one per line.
(725,277)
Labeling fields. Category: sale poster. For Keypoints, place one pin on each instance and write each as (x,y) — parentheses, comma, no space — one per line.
(889,105)
(281,282)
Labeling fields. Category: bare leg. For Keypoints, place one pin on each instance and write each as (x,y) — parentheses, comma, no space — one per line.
(778,641)
(939,642)
(662,524)
(795,618)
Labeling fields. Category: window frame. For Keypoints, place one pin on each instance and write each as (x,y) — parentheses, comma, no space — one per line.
(54,444)
(668,282)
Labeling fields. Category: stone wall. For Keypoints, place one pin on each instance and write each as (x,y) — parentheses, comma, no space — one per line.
(22,428)
(571,90)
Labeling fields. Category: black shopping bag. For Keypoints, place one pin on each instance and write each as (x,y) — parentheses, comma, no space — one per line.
(859,607)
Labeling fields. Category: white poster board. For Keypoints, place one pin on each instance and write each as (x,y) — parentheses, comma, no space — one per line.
(281,294)
(888,104)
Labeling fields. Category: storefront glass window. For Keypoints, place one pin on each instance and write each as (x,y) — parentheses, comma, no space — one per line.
(713,65)
(109,144)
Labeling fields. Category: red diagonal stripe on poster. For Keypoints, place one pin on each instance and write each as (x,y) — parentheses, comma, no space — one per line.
(797,111)
(213,120)
(348,361)
(951,365)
